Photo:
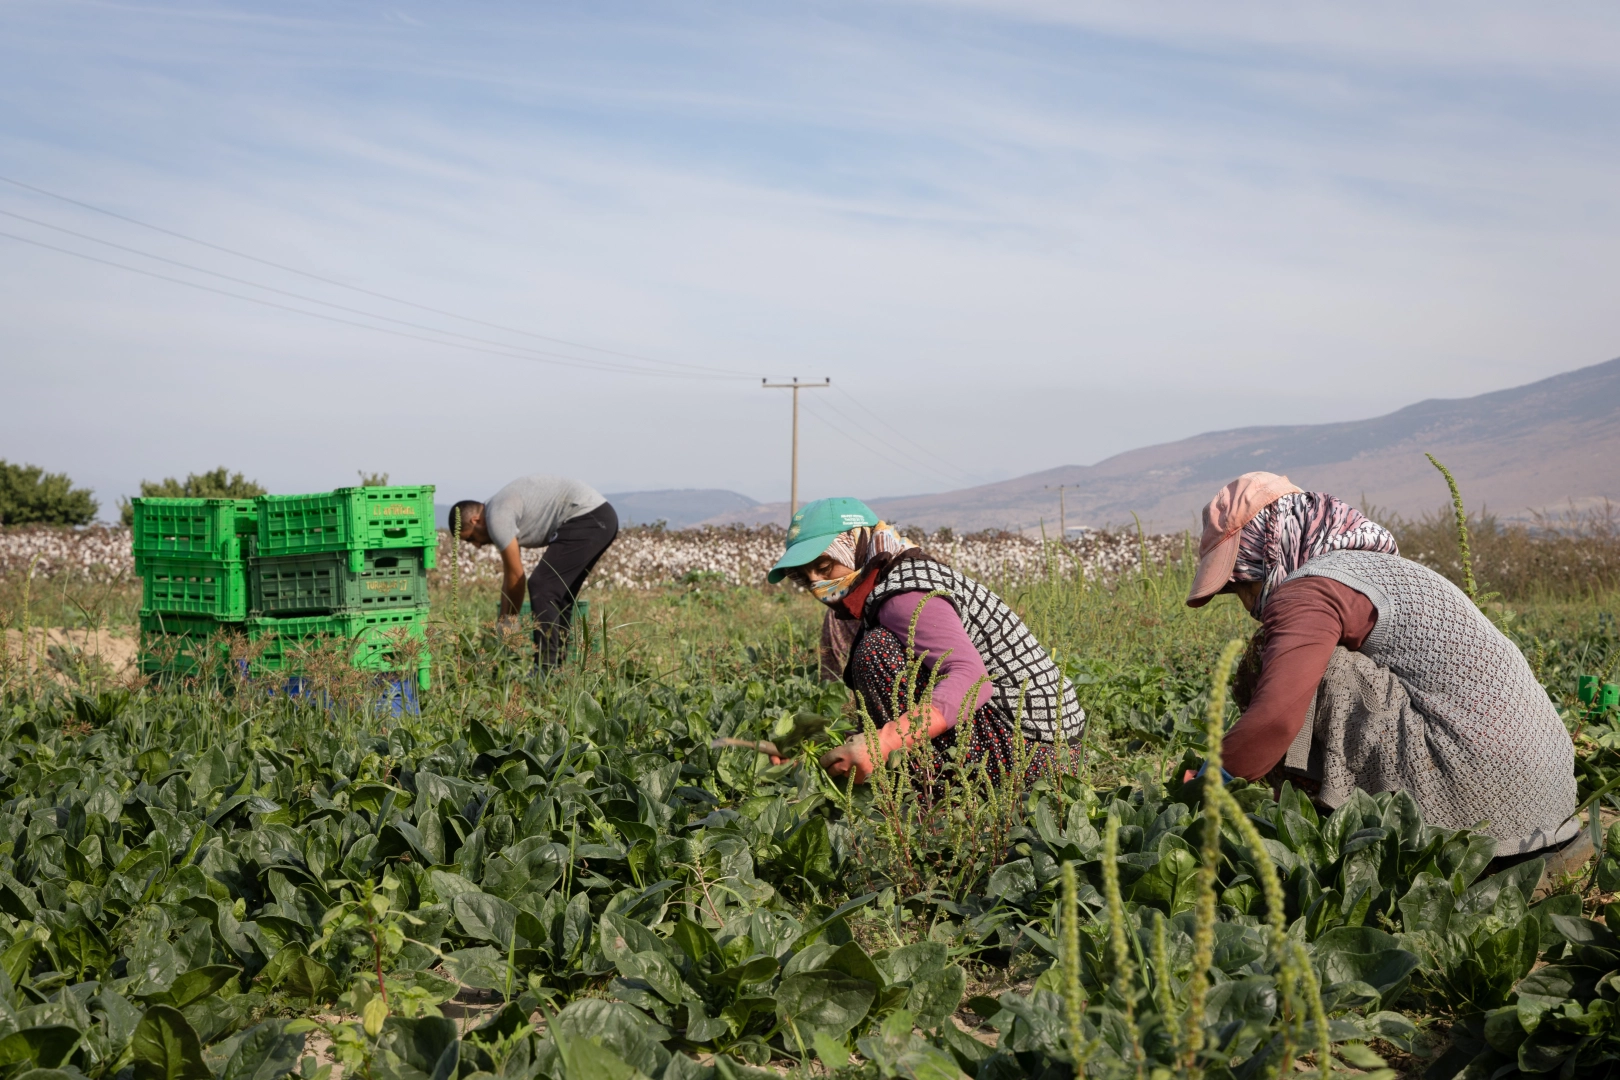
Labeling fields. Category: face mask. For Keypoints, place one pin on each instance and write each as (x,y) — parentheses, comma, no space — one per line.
(834,589)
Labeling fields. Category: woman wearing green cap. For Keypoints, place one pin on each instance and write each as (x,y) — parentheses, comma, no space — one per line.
(910,614)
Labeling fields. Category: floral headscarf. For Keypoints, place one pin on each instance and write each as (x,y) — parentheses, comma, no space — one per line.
(857,548)
(1298,527)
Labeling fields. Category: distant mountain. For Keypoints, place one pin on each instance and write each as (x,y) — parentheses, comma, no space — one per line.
(1536,447)
(678,508)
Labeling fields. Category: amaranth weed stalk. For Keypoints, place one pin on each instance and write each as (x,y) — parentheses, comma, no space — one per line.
(1462,530)
(455,562)
(1164,982)
(1294,966)
(1074,999)
(1124,966)
(1208,866)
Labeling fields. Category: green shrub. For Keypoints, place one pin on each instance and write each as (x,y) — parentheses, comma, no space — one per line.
(1570,555)
(31,496)
(219,484)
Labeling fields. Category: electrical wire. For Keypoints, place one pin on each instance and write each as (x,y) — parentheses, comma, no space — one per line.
(330,304)
(927,460)
(965,475)
(860,438)
(356,288)
(924,463)
(584,365)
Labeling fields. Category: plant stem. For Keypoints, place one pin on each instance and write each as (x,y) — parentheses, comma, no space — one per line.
(376,946)
(1163,981)
(1209,864)
(1462,530)
(1124,968)
(1073,999)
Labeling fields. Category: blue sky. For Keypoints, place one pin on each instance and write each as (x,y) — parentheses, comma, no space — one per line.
(1015,234)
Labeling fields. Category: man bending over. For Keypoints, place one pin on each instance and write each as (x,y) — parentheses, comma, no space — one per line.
(575,525)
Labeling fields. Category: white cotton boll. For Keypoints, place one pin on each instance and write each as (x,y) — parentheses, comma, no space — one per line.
(639,559)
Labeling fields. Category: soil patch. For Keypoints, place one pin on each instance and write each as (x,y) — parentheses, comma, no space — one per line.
(63,655)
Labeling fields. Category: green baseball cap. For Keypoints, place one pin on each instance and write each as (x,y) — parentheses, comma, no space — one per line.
(814,527)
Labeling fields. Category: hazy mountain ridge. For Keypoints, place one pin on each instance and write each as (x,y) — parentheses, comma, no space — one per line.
(1535,447)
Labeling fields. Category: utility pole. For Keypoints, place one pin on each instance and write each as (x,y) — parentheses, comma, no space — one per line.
(795,386)
(1063,523)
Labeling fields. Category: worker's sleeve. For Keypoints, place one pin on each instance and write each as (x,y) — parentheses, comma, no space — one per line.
(500,519)
(1304,620)
(947,651)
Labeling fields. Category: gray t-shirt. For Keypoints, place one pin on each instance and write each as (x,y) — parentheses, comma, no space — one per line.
(531,508)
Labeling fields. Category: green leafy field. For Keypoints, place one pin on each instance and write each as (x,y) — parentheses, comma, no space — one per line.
(562,878)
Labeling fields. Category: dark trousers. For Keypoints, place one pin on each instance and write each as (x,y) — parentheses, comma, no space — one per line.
(571,553)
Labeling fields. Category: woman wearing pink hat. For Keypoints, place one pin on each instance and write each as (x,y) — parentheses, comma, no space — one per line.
(1377,673)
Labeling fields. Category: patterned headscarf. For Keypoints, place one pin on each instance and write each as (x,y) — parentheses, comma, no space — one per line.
(857,548)
(1296,528)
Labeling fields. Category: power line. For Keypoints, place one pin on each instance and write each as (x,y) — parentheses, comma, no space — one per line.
(595,364)
(860,438)
(924,461)
(928,453)
(928,459)
(360,289)
(585,365)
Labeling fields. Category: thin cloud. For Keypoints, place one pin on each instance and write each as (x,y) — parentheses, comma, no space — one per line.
(1032,238)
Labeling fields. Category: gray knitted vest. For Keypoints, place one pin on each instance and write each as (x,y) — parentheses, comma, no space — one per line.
(1029,688)
(1497,752)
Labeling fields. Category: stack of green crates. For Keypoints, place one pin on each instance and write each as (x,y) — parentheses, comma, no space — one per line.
(191,555)
(288,571)
(349,565)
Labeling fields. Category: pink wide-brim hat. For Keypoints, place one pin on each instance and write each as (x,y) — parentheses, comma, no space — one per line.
(1224,518)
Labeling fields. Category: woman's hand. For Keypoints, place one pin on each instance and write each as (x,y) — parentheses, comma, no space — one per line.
(850,758)
(853,758)
(1193,774)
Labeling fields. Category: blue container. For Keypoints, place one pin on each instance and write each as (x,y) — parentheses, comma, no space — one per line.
(397,695)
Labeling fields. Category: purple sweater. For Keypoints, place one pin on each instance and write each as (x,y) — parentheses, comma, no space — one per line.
(943,643)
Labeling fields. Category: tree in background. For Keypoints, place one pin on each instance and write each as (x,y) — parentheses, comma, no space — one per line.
(219,484)
(31,496)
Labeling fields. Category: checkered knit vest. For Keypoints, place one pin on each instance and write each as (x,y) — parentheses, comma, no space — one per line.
(1029,690)
(1500,754)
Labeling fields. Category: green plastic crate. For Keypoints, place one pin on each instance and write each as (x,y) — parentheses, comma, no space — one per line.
(191,528)
(158,622)
(369,637)
(211,587)
(323,583)
(180,644)
(354,519)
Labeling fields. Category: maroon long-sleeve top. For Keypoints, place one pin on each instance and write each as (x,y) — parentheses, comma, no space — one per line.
(937,636)
(946,650)
(1304,620)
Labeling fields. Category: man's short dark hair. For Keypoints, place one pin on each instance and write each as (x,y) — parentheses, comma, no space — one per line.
(464,509)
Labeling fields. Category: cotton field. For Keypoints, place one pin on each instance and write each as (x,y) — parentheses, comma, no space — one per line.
(99,553)
(644,557)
